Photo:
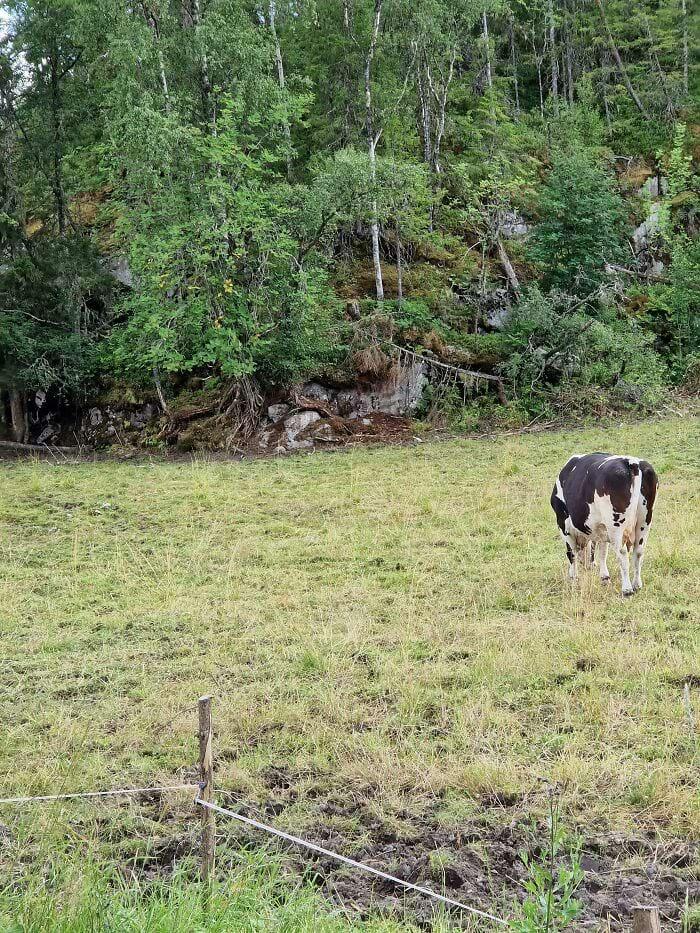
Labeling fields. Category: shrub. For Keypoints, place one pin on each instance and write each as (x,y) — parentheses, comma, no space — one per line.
(581,225)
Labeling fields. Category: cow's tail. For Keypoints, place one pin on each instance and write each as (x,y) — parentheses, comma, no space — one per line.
(648,488)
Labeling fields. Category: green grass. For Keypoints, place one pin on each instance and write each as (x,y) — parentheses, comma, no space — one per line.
(391,626)
(256,897)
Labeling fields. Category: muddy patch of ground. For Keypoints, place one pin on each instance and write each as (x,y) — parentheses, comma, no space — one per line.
(481,865)
(479,862)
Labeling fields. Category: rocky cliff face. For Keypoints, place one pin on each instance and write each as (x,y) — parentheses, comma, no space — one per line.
(314,415)
(323,415)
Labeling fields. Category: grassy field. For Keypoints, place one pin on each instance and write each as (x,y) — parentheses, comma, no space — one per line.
(386,631)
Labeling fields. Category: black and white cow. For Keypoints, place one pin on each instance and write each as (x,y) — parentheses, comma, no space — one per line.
(600,500)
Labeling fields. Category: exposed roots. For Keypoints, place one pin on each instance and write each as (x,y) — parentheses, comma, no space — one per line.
(241,407)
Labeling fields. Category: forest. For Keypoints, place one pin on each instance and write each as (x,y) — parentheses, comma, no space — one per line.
(224,198)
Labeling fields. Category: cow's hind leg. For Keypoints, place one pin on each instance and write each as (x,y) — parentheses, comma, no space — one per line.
(623,559)
(603,561)
(640,537)
(570,546)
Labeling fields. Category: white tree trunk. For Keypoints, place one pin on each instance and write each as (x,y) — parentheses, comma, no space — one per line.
(442,109)
(569,64)
(487,50)
(684,12)
(516,88)
(554,62)
(281,80)
(508,267)
(372,141)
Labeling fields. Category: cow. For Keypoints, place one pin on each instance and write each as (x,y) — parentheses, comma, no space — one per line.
(599,500)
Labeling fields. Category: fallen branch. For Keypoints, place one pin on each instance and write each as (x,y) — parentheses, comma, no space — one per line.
(472,373)
(303,403)
(38,448)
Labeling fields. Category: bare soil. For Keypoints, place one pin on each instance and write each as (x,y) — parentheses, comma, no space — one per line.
(480,861)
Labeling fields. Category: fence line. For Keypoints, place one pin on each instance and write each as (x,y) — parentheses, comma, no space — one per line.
(100,793)
(646,919)
(348,861)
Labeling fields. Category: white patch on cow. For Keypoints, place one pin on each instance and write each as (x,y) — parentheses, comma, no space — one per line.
(617,457)
(640,536)
(622,535)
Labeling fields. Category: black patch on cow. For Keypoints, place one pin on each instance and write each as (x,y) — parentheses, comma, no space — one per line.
(569,553)
(560,510)
(650,484)
(600,473)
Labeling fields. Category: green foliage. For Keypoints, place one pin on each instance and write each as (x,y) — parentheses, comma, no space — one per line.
(580,227)
(255,896)
(237,155)
(220,284)
(673,303)
(53,300)
(552,880)
(413,315)
(555,340)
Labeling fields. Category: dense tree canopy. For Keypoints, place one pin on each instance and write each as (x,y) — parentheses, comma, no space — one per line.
(254,164)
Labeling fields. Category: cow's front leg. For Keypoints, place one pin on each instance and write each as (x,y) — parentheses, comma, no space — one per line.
(603,561)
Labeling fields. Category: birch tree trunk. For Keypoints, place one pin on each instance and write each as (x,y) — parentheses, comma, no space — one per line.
(205,80)
(569,64)
(684,15)
(155,29)
(508,267)
(538,62)
(511,35)
(442,110)
(553,60)
(425,112)
(618,61)
(372,141)
(487,50)
(280,78)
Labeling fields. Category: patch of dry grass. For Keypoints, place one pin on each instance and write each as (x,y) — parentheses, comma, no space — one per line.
(391,625)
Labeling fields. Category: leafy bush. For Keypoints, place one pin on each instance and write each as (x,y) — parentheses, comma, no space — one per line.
(581,225)
(552,340)
(54,300)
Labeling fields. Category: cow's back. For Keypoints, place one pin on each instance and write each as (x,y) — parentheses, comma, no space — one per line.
(600,489)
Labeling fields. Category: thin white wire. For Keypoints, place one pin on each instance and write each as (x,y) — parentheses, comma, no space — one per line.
(348,861)
(97,793)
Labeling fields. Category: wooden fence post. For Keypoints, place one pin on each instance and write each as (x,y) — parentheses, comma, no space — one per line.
(206,791)
(646,920)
